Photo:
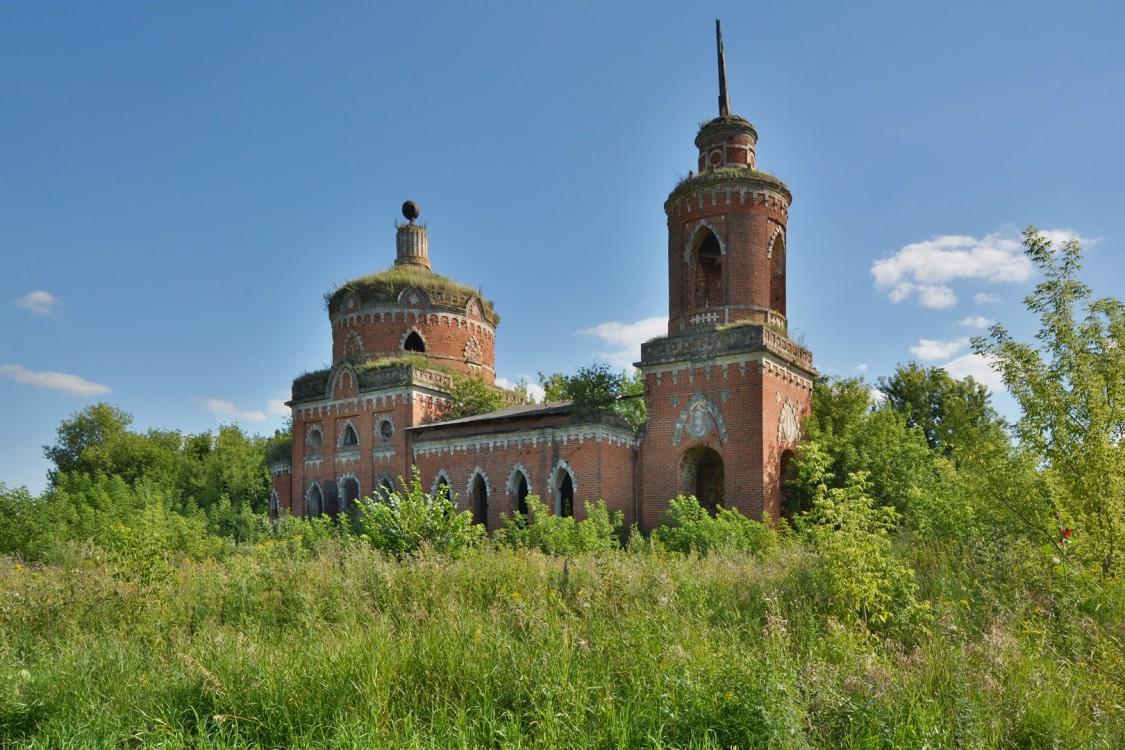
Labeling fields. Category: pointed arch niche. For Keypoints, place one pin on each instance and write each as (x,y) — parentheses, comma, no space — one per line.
(705,258)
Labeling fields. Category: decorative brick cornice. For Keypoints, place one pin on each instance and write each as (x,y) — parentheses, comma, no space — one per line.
(435,445)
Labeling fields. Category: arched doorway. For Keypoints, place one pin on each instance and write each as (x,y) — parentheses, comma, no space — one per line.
(701,474)
(480,500)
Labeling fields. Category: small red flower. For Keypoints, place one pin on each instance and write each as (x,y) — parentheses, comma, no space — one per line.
(1066,533)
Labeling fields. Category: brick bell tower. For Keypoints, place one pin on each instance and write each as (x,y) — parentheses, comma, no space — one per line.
(727,388)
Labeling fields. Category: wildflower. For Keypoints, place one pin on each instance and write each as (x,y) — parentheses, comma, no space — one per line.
(1066,532)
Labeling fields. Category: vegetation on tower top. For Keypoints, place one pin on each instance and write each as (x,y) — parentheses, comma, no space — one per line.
(386,286)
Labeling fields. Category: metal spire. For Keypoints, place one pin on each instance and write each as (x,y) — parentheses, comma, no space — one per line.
(724,100)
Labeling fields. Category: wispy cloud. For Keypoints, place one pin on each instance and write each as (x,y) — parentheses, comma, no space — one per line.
(979,367)
(982,298)
(925,269)
(625,339)
(222,408)
(930,349)
(40,302)
(55,381)
(975,321)
(861,368)
(278,408)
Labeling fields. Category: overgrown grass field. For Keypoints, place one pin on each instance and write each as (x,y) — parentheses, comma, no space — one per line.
(345,647)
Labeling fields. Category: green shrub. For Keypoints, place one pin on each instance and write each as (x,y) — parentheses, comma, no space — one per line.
(599,532)
(405,522)
(858,575)
(689,528)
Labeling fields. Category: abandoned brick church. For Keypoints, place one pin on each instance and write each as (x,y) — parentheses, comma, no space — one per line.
(725,389)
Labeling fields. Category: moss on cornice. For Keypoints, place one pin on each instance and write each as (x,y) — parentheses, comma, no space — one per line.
(386,286)
(709,177)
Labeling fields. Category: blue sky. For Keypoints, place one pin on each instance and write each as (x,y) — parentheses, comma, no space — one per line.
(181,183)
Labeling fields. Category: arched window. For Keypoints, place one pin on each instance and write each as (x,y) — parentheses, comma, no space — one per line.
(709,272)
(479,494)
(275,505)
(349,438)
(314,501)
(441,487)
(414,343)
(521,495)
(563,484)
(386,488)
(777,273)
(350,486)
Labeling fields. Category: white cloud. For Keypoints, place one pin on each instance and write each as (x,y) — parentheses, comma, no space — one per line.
(928,349)
(979,367)
(936,297)
(926,268)
(861,368)
(278,408)
(1058,236)
(40,302)
(625,339)
(220,407)
(985,299)
(55,381)
(975,321)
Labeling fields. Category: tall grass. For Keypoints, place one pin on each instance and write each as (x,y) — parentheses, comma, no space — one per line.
(343,647)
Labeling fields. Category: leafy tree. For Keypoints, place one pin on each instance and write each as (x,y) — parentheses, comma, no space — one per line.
(1071,388)
(688,528)
(405,522)
(952,414)
(472,396)
(596,387)
(78,438)
(858,573)
(540,529)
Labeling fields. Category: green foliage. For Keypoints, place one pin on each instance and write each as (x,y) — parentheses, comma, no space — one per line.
(385,286)
(954,415)
(541,530)
(857,572)
(596,387)
(404,523)
(195,469)
(1071,389)
(688,528)
(471,396)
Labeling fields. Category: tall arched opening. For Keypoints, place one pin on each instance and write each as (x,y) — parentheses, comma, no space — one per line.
(709,272)
(480,500)
(701,474)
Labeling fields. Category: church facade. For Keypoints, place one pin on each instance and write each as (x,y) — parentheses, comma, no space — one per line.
(725,389)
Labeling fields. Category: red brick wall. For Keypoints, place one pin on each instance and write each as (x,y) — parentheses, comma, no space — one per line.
(446,336)
(745,216)
(745,395)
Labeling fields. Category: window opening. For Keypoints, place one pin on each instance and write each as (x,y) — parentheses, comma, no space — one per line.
(480,500)
(709,284)
(350,436)
(414,343)
(564,495)
(521,495)
(314,506)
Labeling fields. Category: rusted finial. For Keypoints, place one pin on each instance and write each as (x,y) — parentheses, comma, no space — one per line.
(724,100)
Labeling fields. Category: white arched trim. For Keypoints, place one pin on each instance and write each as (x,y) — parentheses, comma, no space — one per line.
(693,239)
(513,482)
(442,474)
(478,471)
